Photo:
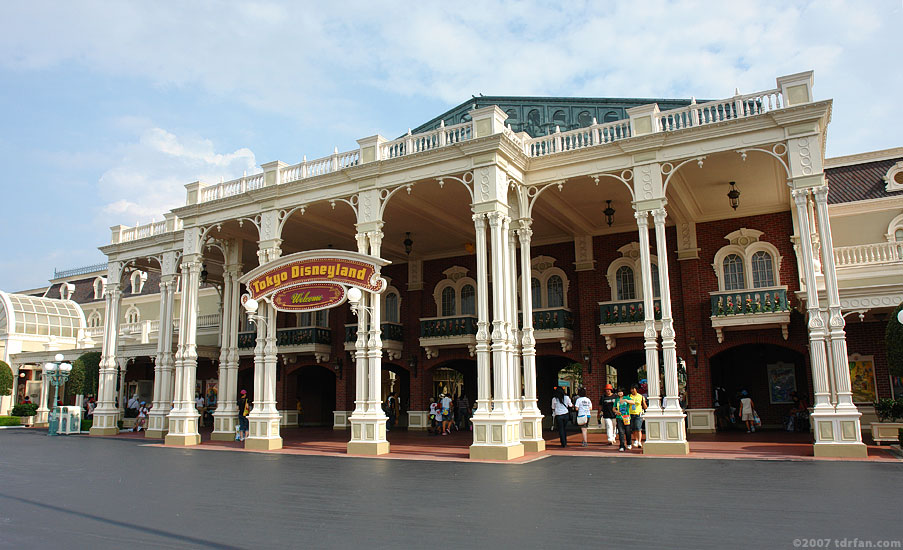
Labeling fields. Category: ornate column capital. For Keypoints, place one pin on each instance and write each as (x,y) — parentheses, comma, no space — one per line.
(659,215)
(642,218)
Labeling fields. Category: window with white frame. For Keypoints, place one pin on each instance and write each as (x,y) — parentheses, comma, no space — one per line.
(747,262)
(392,307)
(94,320)
(132,316)
(99,284)
(313,319)
(138,279)
(548,284)
(625,274)
(456,294)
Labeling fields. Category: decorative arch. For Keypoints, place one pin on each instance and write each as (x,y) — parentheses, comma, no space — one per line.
(132,315)
(456,279)
(894,178)
(745,244)
(543,270)
(894,228)
(95,320)
(100,285)
(138,278)
(630,257)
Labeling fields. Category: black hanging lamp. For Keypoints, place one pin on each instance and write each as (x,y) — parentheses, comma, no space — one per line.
(734,195)
(609,213)
(408,243)
(204,274)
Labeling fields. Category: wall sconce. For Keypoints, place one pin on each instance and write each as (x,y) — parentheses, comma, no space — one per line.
(408,243)
(588,359)
(21,374)
(609,213)
(694,351)
(338,367)
(412,362)
(734,195)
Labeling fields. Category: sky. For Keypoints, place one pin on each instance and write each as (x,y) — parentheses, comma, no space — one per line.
(107,109)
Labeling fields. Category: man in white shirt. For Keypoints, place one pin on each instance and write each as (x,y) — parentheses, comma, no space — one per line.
(445,405)
(133,402)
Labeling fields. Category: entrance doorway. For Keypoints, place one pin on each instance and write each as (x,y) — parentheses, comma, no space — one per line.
(768,373)
(397,379)
(627,369)
(551,371)
(315,388)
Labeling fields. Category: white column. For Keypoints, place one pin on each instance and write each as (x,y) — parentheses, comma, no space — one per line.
(649,333)
(817,333)
(360,348)
(106,414)
(511,313)
(374,342)
(531,417)
(498,241)
(123,364)
(225,416)
(42,415)
(482,345)
(183,419)
(672,400)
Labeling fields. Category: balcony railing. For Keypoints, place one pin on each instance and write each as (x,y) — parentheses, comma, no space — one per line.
(750,302)
(551,319)
(61,273)
(289,337)
(441,327)
(390,331)
(868,254)
(626,311)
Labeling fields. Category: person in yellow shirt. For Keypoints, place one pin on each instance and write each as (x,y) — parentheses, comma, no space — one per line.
(637,406)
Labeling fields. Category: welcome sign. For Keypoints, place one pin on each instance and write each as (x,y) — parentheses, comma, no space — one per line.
(315,279)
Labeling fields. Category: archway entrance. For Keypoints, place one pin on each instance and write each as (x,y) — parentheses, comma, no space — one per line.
(551,371)
(315,388)
(768,373)
(397,379)
(627,369)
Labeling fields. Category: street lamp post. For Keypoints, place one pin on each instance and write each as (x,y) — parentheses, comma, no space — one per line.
(57,373)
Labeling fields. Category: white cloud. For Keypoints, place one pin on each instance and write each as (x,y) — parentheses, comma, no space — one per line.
(149,175)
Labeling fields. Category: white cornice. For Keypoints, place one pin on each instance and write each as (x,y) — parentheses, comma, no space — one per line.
(860,158)
(894,202)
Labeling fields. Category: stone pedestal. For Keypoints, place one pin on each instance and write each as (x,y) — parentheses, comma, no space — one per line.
(263,432)
(496,438)
(531,432)
(837,435)
(368,435)
(665,434)
(157,426)
(701,421)
(184,430)
(104,423)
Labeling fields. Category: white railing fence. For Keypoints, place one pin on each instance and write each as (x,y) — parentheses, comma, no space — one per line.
(868,254)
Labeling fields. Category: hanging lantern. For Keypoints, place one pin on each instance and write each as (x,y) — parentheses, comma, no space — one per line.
(734,195)
(408,243)
(609,213)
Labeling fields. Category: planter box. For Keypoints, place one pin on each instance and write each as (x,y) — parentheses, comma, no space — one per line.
(28,421)
(886,431)
(128,423)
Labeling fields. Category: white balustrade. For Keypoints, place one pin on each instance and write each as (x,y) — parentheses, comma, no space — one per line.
(868,254)
(594,134)
(146,230)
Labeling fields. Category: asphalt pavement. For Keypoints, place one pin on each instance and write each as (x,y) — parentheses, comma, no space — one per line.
(79,492)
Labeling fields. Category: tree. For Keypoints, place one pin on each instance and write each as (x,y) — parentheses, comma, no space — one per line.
(893,337)
(76,384)
(91,362)
(6,379)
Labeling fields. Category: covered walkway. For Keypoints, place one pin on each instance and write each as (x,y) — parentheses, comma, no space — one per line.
(768,445)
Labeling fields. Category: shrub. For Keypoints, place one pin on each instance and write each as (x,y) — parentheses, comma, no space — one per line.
(6,379)
(91,362)
(889,410)
(86,424)
(76,383)
(25,409)
(10,421)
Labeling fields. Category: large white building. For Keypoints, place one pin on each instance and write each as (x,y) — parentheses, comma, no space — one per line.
(509,238)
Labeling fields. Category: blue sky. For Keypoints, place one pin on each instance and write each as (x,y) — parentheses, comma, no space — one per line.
(108,109)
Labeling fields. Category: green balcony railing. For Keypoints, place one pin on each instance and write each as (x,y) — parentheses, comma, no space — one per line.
(390,331)
(289,337)
(448,326)
(626,311)
(750,302)
(551,319)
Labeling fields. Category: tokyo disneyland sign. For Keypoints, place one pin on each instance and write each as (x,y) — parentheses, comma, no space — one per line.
(313,280)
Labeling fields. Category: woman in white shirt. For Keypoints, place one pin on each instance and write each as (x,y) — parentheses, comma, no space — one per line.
(584,410)
(560,409)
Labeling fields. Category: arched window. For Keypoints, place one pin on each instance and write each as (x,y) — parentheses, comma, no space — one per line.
(555,291)
(560,119)
(536,291)
(468,303)
(391,307)
(611,116)
(733,273)
(94,320)
(762,270)
(626,287)
(656,284)
(132,316)
(448,301)
(584,119)
(98,288)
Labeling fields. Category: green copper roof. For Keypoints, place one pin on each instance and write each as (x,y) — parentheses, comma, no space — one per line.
(538,116)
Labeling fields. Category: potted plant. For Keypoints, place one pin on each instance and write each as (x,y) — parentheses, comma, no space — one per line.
(27,412)
(890,416)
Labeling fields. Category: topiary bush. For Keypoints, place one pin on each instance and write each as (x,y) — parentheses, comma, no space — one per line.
(25,409)
(91,362)
(889,410)
(76,383)
(893,338)
(6,379)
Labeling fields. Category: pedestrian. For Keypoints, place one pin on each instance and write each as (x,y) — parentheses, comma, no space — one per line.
(561,406)
(243,410)
(622,409)
(434,417)
(747,411)
(133,403)
(607,413)
(446,406)
(141,422)
(584,408)
(199,403)
(463,411)
(637,406)
(391,410)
